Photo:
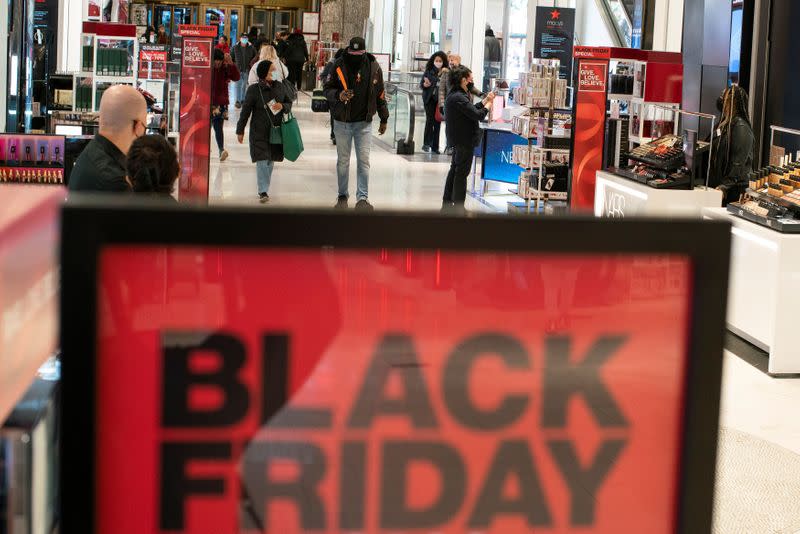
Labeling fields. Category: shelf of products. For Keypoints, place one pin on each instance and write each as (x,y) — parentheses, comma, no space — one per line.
(110,54)
(32,159)
(545,164)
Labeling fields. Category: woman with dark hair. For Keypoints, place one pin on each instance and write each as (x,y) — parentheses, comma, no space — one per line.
(266,101)
(430,98)
(464,132)
(733,147)
(152,166)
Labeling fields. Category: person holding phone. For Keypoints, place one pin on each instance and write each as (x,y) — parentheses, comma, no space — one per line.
(266,102)
(463,130)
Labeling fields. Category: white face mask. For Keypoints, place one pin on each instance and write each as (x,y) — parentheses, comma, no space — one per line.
(437,64)
(275,75)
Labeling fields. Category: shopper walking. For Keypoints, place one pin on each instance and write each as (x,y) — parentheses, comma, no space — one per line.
(295,56)
(356,93)
(325,77)
(444,90)
(153,166)
(492,57)
(430,99)
(162,38)
(268,53)
(280,44)
(223,45)
(101,165)
(243,55)
(225,71)
(266,102)
(733,147)
(463,129)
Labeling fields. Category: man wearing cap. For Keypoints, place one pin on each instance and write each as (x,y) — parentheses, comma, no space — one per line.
(355,92)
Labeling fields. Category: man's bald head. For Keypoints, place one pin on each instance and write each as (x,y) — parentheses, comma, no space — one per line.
(120,106)
(123,115)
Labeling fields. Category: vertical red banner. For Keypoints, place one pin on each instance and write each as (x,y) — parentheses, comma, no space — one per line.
(195,125)
(589,127)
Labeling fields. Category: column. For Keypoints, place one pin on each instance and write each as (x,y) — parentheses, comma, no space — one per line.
(668,25)
(418,14)
(381,13)
(468,22)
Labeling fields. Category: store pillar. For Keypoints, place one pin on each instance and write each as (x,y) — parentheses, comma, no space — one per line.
(467,20)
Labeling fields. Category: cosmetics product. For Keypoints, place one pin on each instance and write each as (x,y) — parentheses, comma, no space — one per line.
(787,186)
(13,151)
(775,190)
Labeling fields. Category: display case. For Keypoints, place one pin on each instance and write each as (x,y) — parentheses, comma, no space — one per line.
(109,56)
(32,159)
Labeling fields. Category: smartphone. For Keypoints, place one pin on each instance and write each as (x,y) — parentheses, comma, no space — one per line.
(270,104)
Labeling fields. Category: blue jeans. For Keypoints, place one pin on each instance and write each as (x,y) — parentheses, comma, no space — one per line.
(264,175)
(241,88)
(346,134)
(217,122)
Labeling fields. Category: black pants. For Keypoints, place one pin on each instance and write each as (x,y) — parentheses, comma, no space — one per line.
(455,188)
(432,127)
(333,136)
(295,73)
(217,122)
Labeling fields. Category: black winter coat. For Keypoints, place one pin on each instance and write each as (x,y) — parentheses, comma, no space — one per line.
(263,119)
(243,56)
(296,49)
(463,118)
(376,97)
(430,93)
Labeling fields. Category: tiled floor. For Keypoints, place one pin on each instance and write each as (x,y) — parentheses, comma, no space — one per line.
(759,468)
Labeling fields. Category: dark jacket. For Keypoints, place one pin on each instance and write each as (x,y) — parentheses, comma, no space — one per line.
(492,51)
(263,119)
(431,93)
(733,160)
(243,56)
(219,84)
(376,97)
(296,49)
(100,167)
(280,48)
(463,118)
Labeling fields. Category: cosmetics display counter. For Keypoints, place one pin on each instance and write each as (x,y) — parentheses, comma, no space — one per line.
(618,196)
(32,159)
(764,289)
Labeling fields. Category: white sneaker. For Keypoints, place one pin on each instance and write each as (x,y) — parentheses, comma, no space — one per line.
(223,155)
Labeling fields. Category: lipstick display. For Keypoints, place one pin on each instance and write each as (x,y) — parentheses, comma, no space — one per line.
(31,159)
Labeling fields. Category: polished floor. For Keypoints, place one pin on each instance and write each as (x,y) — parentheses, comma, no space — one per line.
(758,483)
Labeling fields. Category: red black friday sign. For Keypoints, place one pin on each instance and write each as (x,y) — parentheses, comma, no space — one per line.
(410,408)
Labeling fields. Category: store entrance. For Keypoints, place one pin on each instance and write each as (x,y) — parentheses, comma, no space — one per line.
(229,21)
(173,16)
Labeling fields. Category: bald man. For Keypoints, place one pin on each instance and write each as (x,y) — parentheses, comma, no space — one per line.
(101,165)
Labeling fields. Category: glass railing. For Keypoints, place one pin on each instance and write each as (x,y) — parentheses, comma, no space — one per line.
(403,118)
(621,22)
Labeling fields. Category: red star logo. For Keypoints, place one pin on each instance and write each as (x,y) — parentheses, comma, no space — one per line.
(555,14)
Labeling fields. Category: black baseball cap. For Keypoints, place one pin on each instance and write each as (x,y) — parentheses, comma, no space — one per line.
(357,44)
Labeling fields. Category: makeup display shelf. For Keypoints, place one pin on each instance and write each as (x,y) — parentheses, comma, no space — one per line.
(764,289)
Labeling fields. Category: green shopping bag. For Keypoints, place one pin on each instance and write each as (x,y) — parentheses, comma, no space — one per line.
(292,140)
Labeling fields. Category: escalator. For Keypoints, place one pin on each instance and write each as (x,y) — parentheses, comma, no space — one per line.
(620,15)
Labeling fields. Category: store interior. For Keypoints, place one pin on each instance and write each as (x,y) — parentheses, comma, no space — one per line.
(641,111)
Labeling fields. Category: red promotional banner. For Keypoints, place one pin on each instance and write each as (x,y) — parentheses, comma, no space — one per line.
(153,61)
(590,120)
(197,30)
(287,391)
(195,119)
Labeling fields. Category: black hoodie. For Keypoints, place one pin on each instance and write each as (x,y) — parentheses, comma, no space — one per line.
(296,49)
(372,94)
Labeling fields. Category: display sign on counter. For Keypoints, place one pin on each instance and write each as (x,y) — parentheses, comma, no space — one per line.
(153,61)
(497,165)
(555,35)
(617,201)
(313,378)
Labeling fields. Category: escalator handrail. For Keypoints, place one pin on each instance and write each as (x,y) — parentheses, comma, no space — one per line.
(393,89)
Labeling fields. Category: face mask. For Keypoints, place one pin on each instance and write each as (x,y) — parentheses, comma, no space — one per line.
(274,75)
(470,86)
(453,65)
(437,64)
(245,41)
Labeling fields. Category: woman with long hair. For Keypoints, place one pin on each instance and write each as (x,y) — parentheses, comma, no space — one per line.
(430,98)
(733,147)
(267,53)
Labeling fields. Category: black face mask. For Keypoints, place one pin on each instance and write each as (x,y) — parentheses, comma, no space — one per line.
(353,62)
(470,86)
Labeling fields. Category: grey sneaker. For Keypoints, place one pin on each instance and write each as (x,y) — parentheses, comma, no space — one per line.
(363,205)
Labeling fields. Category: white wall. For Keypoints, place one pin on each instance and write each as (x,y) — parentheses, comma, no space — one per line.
(668,26)
(381,13)
(71,15)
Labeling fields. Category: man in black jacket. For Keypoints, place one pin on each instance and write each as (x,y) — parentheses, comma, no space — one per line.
(464,133)
(295,56)
(355,92)
(243,54)
(101,165)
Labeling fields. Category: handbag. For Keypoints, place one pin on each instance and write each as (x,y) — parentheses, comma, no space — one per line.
(438,114)
(292,140)
(275,137)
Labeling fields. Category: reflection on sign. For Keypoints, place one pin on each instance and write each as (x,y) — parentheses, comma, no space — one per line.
(197,53)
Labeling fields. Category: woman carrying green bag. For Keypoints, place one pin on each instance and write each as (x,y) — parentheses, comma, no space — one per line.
(267,102)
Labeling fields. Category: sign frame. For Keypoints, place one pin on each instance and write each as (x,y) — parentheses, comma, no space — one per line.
(89,225)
